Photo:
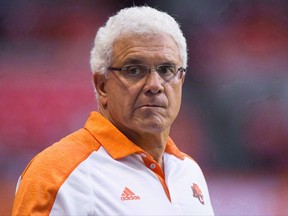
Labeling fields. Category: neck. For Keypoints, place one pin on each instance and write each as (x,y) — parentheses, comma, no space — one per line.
(154,144)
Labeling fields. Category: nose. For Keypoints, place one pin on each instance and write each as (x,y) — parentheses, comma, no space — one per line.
(154,83)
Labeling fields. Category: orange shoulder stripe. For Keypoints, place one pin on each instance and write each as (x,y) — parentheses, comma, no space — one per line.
(45,174)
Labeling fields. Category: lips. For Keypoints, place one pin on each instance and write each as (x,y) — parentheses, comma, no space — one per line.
(162,105)
(148,106)
(152,102)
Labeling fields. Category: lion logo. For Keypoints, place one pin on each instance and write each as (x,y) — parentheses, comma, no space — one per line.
(197,193)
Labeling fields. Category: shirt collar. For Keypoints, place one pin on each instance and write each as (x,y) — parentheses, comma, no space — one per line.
(116,143)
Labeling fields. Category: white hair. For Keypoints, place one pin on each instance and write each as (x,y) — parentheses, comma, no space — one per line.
(133,20)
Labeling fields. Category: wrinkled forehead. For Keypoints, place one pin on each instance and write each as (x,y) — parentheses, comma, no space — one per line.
(145,45)
(160,38)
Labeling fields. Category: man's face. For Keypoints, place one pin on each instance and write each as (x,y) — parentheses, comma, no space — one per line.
(149,105)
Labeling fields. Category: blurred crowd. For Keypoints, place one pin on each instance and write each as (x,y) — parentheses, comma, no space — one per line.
(235,99)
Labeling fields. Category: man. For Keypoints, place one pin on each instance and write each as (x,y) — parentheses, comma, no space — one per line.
(123,161)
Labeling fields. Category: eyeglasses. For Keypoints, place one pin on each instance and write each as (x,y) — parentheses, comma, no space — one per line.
(135,73)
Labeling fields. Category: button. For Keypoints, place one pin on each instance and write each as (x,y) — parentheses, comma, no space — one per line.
(152,166)
(143,155)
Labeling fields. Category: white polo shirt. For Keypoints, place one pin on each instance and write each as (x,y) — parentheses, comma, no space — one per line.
(98,171)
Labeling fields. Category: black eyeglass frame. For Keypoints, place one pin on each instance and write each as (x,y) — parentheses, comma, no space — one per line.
(180,69)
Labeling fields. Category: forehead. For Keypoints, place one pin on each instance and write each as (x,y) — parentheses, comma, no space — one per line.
(146,48)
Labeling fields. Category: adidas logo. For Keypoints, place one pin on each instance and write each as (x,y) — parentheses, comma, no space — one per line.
(128,195)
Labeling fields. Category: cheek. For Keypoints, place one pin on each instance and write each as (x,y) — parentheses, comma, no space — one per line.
(175,93)
(120,101)
(176,104)
(115,102)
(175,100)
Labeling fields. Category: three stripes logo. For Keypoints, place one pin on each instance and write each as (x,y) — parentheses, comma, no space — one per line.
(128,195)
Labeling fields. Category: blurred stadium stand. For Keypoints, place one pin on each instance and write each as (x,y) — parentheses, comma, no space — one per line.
(233,120)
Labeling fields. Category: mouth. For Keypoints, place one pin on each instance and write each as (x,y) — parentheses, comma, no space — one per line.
(152,105)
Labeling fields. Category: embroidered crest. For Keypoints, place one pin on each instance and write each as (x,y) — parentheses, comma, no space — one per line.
(197,193)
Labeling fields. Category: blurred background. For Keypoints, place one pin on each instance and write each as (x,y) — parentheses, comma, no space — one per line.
(233,121)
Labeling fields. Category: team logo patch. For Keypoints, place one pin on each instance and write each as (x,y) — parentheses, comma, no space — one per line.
(197,193)
(128,195)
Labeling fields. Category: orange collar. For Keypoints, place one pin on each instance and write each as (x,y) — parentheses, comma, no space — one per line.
(115,143)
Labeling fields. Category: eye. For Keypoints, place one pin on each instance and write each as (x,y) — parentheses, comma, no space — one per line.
(134,71)
(166,70)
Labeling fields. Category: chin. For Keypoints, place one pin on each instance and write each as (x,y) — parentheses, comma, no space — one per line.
(153,123)
(153,127)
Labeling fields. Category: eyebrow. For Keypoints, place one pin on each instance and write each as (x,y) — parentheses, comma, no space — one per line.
(139,61)
(168,63)
(132,61)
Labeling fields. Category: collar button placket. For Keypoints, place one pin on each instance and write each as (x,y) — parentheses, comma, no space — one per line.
(152,166)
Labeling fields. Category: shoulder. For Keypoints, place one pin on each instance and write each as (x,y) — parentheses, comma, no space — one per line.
(190,166)
(48,170)
(68,152)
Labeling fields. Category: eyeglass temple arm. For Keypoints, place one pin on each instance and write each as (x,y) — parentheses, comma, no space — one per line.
(114,68)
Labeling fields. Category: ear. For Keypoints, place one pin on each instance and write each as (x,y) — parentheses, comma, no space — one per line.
(100,82)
